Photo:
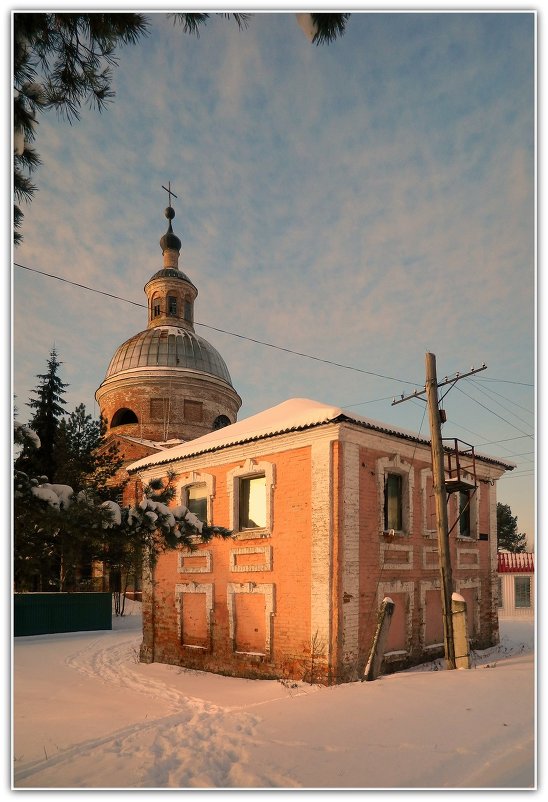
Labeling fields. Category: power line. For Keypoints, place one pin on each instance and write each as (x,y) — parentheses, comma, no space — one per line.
(491,393)
(494,400)
(224,331)
(507,381)
(493,412)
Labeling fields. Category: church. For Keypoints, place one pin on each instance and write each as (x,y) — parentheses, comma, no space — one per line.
(330,513)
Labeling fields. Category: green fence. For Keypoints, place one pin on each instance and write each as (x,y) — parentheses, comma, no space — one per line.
(45,613)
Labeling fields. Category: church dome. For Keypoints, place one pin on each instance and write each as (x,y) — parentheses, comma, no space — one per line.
(168,347)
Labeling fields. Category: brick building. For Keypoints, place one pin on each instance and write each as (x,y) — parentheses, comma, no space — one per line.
(166,384)
(331,512)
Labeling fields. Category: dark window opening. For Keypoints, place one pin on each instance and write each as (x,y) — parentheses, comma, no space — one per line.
(464,513)
(156,310)
(172,306)
(220,422)
(123,416)
(188,311)
(393,506)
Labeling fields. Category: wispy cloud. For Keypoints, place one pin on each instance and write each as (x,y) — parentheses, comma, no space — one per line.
(360,202)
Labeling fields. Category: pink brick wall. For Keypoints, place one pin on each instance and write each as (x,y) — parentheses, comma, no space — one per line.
(240,636)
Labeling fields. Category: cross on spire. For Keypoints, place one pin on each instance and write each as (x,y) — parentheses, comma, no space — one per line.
(169,192)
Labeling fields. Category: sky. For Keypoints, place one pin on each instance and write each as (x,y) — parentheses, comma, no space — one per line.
(160,727)
(362,203)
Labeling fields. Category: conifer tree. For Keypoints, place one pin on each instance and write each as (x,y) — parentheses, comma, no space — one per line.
(508,537)
(48,411)
(86,461)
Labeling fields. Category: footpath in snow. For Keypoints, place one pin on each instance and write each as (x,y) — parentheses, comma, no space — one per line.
(88,715)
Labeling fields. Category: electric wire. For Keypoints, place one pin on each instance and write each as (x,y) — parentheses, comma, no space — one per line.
(301,354)
(493,412)
(230,333)
(502,406)
(514,403)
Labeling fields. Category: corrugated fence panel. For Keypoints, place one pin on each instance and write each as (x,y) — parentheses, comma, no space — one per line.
(46,613)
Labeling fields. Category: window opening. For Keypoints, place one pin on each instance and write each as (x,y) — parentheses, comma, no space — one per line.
(252,502)
(196,501)
(464,513)
(393,497)
(123,416)
(522,591)
(172,306)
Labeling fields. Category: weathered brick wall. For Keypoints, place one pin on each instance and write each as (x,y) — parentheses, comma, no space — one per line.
(256,573)
(136,394)
(406,567)
(301,600)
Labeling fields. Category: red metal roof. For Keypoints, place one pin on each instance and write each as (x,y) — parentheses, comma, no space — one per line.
(516,563)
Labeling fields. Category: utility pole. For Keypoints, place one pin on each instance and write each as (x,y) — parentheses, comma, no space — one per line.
(440,494)
(438,476)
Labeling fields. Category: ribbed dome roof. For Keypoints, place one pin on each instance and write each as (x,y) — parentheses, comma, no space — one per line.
(170,272)
(171,347)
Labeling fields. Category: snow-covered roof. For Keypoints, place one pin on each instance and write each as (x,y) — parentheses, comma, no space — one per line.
(289,416)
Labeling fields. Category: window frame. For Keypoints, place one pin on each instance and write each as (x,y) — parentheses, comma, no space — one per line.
(524,579)
(198,478)
(172,306)
(251,469)
(201,498)
(396,465)
(472,514)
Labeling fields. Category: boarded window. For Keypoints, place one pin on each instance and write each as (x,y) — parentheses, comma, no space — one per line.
(434,618)
(397,634)
(158,408)
(193,411)
(194,620)
(250,625)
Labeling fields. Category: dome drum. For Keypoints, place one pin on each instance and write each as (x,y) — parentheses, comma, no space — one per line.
(156,407)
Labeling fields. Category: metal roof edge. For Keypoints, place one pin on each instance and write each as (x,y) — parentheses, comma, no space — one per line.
(340,418)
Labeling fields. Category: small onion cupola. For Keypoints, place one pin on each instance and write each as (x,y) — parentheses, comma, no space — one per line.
(170,241)
(171,294)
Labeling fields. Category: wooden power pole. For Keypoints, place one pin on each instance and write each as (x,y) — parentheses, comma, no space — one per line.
(438,476)
(440,494)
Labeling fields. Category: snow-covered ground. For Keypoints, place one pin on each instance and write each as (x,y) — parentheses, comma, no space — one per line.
(88,715)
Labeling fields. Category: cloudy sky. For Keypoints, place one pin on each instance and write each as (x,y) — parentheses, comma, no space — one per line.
(362,203)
